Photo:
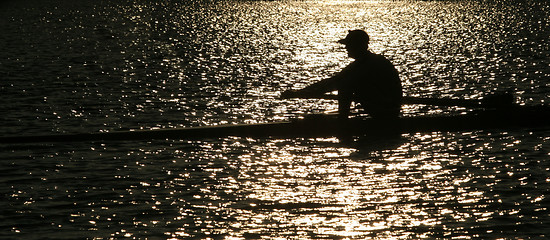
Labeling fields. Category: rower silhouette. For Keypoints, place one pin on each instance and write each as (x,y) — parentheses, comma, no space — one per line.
(371,80)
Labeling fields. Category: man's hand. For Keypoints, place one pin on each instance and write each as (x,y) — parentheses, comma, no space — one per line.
(289,94)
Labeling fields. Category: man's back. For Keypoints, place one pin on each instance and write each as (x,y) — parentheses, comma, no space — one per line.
(374,82)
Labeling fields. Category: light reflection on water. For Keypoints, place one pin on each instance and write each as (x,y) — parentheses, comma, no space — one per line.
(159,65)
(432,185)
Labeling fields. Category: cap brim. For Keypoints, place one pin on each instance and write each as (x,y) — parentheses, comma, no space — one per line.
(343,41)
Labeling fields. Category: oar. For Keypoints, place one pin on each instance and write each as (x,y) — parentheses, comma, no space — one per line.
(492,101)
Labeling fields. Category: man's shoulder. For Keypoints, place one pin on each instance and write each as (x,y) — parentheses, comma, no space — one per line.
(374,60)
(378,57)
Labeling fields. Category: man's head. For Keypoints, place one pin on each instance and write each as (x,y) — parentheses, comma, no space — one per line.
(357,42)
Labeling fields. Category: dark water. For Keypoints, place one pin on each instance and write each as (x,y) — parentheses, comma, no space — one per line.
(89,66)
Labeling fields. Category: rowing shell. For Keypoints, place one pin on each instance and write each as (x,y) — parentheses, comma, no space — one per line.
(323,126)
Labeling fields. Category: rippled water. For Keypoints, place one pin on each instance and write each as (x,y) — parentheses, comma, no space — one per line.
(88,66)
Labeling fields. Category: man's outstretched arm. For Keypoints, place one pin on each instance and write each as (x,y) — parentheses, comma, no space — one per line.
(315,90)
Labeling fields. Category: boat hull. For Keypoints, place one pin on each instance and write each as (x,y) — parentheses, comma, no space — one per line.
(324,126)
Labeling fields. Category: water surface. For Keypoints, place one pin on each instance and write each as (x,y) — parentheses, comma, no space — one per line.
(89,66)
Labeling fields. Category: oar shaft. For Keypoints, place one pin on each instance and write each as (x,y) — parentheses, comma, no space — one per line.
(443,101)
(489,102)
